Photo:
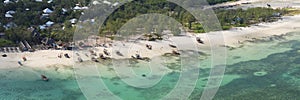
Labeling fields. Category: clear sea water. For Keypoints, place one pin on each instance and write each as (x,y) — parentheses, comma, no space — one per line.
(259,70)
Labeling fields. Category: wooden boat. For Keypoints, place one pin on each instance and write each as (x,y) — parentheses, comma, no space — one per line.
(173,46)
(175,52)
(86,55)
(133,57)
(94,59)
(199,40)
(144,75)
(67,55)
(77,54)
(106,52)
(137,56)
(79,59)
(269,5)
(44,78)
(93,53)
(119,53)
(102,56)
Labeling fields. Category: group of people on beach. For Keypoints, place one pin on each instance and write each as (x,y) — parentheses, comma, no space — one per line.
(106,53)
(66,55)
(149,46)
(43,77)
(24,59)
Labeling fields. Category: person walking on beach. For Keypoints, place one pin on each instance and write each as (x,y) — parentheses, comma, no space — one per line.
(199,40)
(149,46)
(24,58)
(59,55)
(19,62)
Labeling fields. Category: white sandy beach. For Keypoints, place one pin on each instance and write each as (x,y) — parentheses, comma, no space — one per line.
(40,59)
(234,37)
(260,3)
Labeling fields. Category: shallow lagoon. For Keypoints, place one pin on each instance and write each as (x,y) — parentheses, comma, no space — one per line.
(260,69)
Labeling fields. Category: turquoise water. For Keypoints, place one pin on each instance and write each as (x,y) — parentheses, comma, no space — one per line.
(259,70)
(25,84)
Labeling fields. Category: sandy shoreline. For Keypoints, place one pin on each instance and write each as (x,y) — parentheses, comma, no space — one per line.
(236,36)
(259,3)
(233,38)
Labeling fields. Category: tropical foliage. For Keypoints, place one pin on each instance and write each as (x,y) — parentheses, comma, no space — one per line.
(28,17)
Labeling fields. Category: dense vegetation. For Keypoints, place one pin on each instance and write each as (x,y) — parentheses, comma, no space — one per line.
(28,18)
(227,17)
(212,2)
(29,15)
(241,18)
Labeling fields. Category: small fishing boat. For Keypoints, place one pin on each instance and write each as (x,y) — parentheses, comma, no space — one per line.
(199,40)
(86,55)
(44,78)
(175,52)
(137,56)
(67,55)
(102,56)
(173,46)
(106,52)
(269,5)
(119,53)
(133,57)
(93,53)
(79,59)
(94,59)
(77,54)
